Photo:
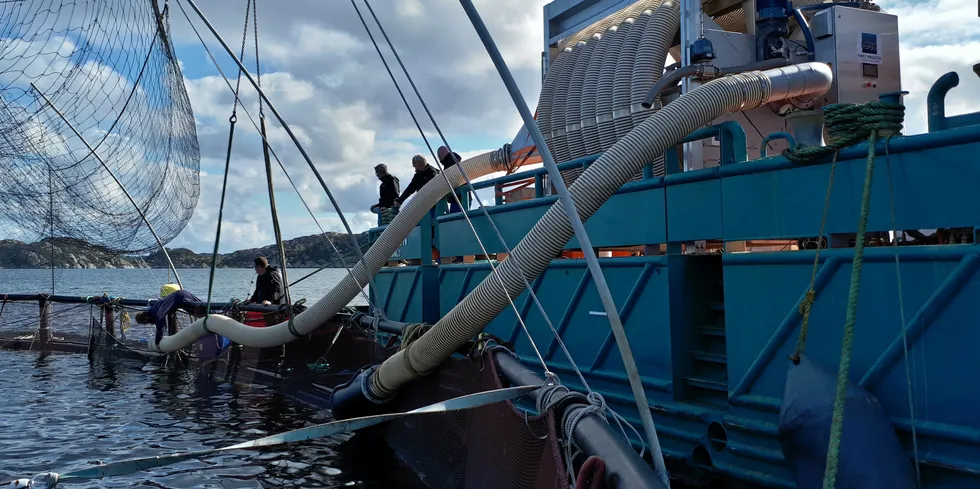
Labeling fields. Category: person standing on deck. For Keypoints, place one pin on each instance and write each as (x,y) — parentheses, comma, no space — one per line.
(385,208)
(268,287)
(423,173)
(158,312)
(448,159)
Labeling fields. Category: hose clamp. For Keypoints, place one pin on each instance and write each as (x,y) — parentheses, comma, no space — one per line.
(558,133)
(621,113)
(588,122)
(573,127)
(599,119)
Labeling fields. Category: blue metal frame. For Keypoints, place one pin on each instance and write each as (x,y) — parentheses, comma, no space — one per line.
(712,333)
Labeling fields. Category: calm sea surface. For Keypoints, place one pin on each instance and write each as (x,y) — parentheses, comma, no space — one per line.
(59,413)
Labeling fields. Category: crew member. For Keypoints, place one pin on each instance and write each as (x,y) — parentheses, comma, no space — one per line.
(448,159)
(423,173)
(268,286)
(158,312)
(385,208)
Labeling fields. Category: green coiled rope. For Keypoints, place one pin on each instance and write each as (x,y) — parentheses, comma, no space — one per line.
(847,125)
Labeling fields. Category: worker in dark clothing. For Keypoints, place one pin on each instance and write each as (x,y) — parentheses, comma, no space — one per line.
(158,312)
(423,173)
(447,159)
(268,287)
(385,208)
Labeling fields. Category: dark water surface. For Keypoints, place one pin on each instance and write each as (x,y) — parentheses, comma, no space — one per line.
(59,413)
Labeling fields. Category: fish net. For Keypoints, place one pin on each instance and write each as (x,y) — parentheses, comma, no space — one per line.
(108,66)
(492,447)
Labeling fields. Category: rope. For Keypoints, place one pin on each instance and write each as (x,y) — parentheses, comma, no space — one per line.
(359,251)
(554,394)
(901,310)
(411,333)
(848,125)
(224,184)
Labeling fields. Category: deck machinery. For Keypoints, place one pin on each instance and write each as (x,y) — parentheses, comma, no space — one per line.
(710,252)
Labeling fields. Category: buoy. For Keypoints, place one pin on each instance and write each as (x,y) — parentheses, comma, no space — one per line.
(168,289)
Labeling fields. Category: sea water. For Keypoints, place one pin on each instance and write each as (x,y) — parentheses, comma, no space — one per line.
(59,412)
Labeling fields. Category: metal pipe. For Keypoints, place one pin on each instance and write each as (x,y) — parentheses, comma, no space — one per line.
(285,127)
(703,70)
(592,261)
(383,325)
(592,434)
(114,178)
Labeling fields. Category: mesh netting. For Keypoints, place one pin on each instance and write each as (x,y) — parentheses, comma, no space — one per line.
(108,66)
(493,447)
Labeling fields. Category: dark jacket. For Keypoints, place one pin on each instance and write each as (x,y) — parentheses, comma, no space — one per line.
(389,191)
(268,287)
(171,303)
(418,181)
(449,160)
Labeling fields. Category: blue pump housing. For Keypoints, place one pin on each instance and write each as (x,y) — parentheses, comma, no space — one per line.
(771,27)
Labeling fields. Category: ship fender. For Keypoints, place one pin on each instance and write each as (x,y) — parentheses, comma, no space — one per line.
(871,456)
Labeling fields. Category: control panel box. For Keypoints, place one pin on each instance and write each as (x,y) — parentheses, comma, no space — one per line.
(861,47)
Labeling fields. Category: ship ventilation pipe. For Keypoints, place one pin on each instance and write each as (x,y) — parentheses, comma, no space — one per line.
(607,81)
(625,68)
(558,145)
(341,295)
(650,139)
(590,129)
(573,102)
(547,97)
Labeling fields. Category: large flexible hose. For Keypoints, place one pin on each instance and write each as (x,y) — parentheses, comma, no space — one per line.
(607,81)
(351,285)
(605,23)
(548,94)
(590,129)
(558,145)
(573,103)
(625,67)
(614,168)
(654,49)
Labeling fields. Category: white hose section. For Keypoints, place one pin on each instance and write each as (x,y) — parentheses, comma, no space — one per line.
(605,23)
(607,81)
(625,67)
(573,103)
(548,94)
(558,145)
(650,139)
(380,252)
(590,131)
(649,65)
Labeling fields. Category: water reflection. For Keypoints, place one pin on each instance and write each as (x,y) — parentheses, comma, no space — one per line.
(73,413)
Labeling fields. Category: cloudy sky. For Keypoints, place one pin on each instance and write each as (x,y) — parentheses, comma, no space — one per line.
(323,74)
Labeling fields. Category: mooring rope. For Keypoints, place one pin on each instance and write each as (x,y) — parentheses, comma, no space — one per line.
(850,124)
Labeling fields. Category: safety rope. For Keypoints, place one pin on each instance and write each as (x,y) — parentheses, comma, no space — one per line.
(268,167)
(359,251)
(901,311)
(224,184)
(412,332)
(848,125)
(554,394)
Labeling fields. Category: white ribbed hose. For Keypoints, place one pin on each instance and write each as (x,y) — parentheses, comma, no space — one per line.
(625,67)
(573,102)
(650,139)
(558,145)
(380,252)
(650,59)
(607,81)
(587,101)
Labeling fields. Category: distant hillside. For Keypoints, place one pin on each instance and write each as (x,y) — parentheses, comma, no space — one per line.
(307,251)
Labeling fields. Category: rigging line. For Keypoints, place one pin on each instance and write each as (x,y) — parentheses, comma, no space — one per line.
(224,183)
(276,156)
(442,172)
(289,131)
(113,175)
(486,213)
(268,162)
(592,261)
